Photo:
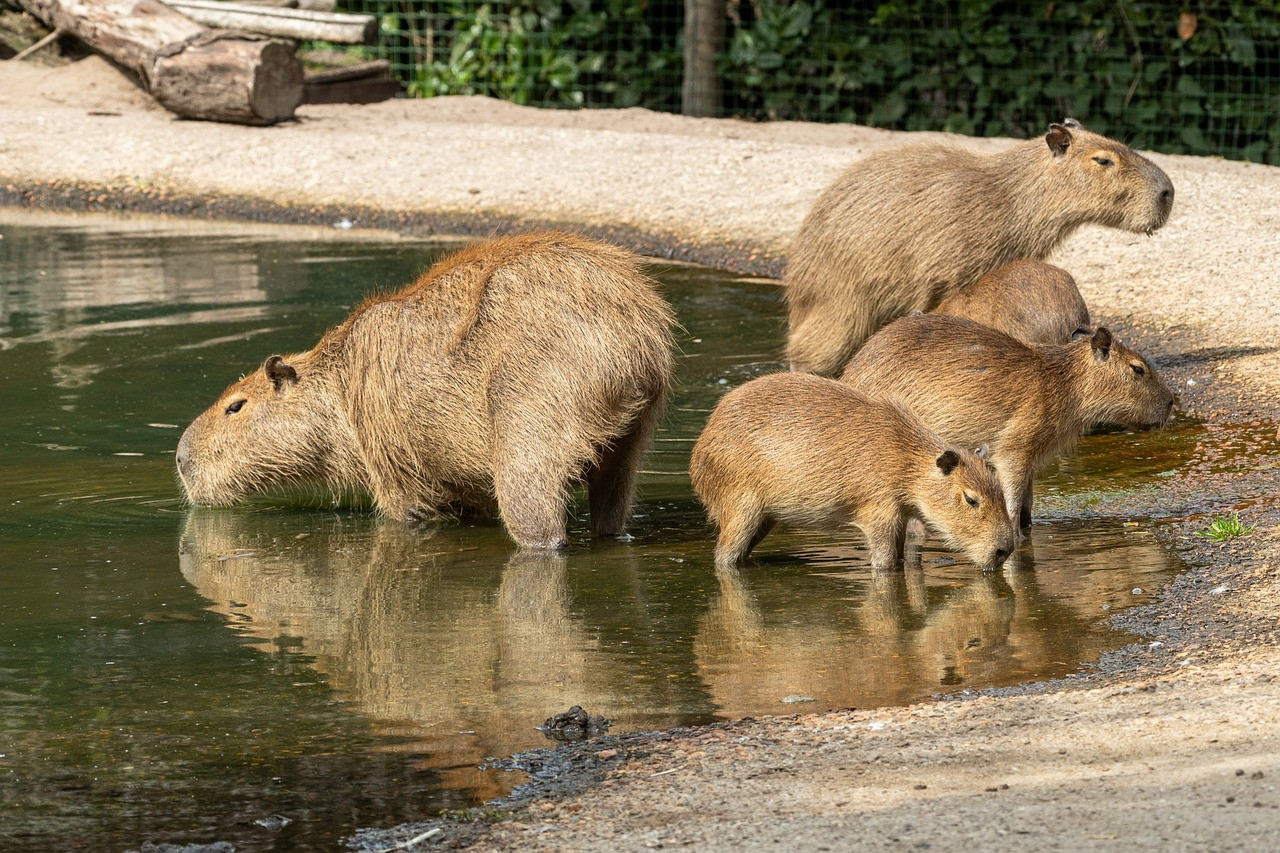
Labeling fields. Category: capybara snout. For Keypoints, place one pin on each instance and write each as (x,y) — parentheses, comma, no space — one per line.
(1124,386)
(255,430)
(968,509)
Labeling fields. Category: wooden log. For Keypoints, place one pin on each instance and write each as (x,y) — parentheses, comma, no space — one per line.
(194,72)
(300,24)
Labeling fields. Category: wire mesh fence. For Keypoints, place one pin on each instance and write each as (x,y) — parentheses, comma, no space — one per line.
(1198,78)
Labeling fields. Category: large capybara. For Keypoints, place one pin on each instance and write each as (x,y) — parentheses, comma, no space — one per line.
(510,370)
(1035,302)
(902,229)
(975,385)
(812,452)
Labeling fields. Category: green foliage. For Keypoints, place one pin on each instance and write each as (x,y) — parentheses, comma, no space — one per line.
(983,68)
(1222,528)
(543,52)
(1200,77)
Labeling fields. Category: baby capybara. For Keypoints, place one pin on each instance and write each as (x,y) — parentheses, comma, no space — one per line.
(506,373)
(975,385)
(902,229)
(1035,302)
(812,452)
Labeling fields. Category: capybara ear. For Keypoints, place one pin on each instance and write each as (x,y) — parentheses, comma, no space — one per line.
(1058,139)
(278,372)
(1072,123)
(982,451)
(1101,343)
(948,461)
(1081,332)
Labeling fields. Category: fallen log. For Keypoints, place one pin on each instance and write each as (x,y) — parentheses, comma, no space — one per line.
(194,72)
(300,24)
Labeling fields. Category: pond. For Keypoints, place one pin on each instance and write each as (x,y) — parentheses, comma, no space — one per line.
(280,674)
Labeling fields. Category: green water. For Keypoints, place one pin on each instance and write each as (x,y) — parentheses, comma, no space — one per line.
(281,674)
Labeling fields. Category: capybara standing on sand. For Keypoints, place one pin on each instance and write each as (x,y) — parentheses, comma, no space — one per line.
(973,385)
(812,452)
(902,229)
(1035,302)
(512,369)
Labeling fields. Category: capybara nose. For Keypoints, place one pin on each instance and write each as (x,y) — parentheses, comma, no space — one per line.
(183,455)
(1002,554)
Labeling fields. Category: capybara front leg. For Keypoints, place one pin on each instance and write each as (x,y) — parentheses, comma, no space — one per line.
(884,543)
(1024,512)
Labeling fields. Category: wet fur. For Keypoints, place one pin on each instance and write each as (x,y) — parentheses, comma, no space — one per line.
(812,452)
(973,385)
(900,230)
(504,375)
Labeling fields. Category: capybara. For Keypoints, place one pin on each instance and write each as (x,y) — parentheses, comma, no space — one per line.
(902,229)
(975,385)
(510,371)
(1035,302)
(809,451)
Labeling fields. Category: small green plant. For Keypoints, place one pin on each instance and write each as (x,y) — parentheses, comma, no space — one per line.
(1222,528)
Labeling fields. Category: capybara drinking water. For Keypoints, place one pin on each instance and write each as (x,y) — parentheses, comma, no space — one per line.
(509,371)
(902,229)
(810,451)
(975,385)
(1035,302)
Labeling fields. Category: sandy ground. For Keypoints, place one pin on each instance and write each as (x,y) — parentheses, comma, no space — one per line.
(1171,744)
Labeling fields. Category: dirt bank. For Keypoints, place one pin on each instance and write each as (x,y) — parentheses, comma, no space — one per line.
(1170,744)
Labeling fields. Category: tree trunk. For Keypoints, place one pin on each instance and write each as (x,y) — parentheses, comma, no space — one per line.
(299,24)
(703,33)
(218,75)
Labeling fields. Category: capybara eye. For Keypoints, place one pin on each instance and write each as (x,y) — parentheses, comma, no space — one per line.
(235,407)
(970,500)
(1104,161)
(1138,370)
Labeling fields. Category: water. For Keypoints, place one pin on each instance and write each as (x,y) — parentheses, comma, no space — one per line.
(280,674)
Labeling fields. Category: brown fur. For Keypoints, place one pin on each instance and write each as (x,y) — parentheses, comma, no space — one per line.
(902,229)
(972,385)
(809,451)
(505,374)
(1035,302)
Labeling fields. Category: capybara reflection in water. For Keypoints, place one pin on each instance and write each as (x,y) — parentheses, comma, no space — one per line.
(900,230)
(505,374)
(974,385)
(812,452)
(1035,302)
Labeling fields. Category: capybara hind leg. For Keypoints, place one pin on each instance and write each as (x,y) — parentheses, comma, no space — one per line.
(611,481)
(740,531)
(825,340)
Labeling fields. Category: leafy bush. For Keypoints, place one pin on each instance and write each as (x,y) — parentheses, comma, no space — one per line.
(1201,78)
(543,52)
(1204,80)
